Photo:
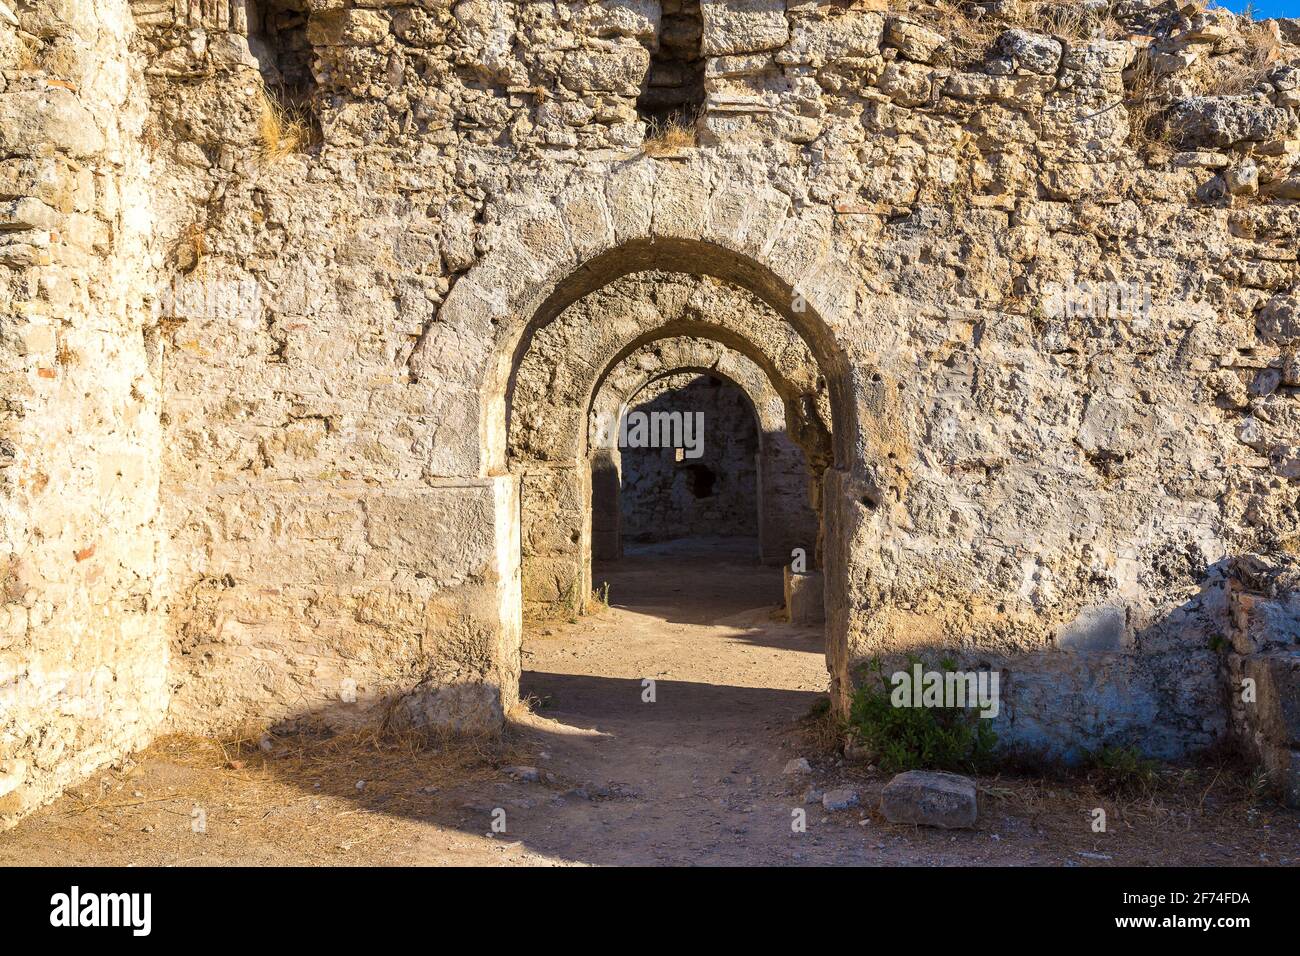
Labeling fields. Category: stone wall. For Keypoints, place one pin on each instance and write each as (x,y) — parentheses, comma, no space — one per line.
(1263,663)
(83,650)
(1029,289)
(667,495)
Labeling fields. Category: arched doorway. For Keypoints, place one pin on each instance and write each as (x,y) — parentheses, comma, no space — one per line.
(650,215)
(593,356)
(787,482)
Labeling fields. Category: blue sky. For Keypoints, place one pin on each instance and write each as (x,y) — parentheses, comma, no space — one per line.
(1266,8)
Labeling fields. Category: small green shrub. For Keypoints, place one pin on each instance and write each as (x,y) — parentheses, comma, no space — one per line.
(1122,771)
(918,738)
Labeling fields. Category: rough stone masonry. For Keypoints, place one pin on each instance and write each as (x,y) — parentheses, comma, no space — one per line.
(275,274)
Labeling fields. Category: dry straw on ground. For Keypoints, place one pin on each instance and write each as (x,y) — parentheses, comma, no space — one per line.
(1148,134)
(284,129)
(671,135)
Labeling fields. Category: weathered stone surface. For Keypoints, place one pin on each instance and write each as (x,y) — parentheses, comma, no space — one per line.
(52,118)
(843,799)
(817,43)
(1030,51)
(927,798)
(733,26)
(804,602)
(912,40)
(1218,121)
(83,643)
(1264,664)
(1044,377)
(1279,321)
(1277,681)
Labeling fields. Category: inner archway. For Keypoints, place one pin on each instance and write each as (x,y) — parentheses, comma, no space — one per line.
(701,482)
(787,473)
(592,359)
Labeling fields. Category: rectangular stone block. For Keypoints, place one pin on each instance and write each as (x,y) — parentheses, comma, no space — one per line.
(804,602)
(1276,712)
(743,26)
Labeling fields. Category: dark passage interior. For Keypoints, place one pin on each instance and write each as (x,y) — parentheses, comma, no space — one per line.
(675,85)
(698,472)
(277,38)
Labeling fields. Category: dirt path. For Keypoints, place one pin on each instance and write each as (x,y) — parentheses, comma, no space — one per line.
(693,777)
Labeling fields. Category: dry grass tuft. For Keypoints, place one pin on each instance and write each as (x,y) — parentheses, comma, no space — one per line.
(66,356)
(284,129)
(1240,72)
(1148,133)
(1173,798)
(671,135)
(966,25)
(973,30)
(824,731)
(1070,21)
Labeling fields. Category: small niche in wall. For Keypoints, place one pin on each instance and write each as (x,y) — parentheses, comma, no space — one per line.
(277,37)
(700,480)
(674,86)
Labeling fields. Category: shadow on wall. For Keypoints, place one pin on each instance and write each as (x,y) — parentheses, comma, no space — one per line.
(1162,684)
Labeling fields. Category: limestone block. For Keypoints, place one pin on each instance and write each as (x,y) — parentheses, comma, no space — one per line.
(1278,322)
(931,799)
(1030,51)
(914,41)
(619,70)
(626,18)
(31,121)
(1219,121)
(433,531)
(348,28)
(804,600)
(28,214)
(555,497)
(629,196)
(487,30)
(908,84)
(1262,622)
(743,26)
(1096,63)
(820,42)
(730,67)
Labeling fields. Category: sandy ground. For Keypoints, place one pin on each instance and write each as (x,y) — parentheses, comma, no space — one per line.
(694,777)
